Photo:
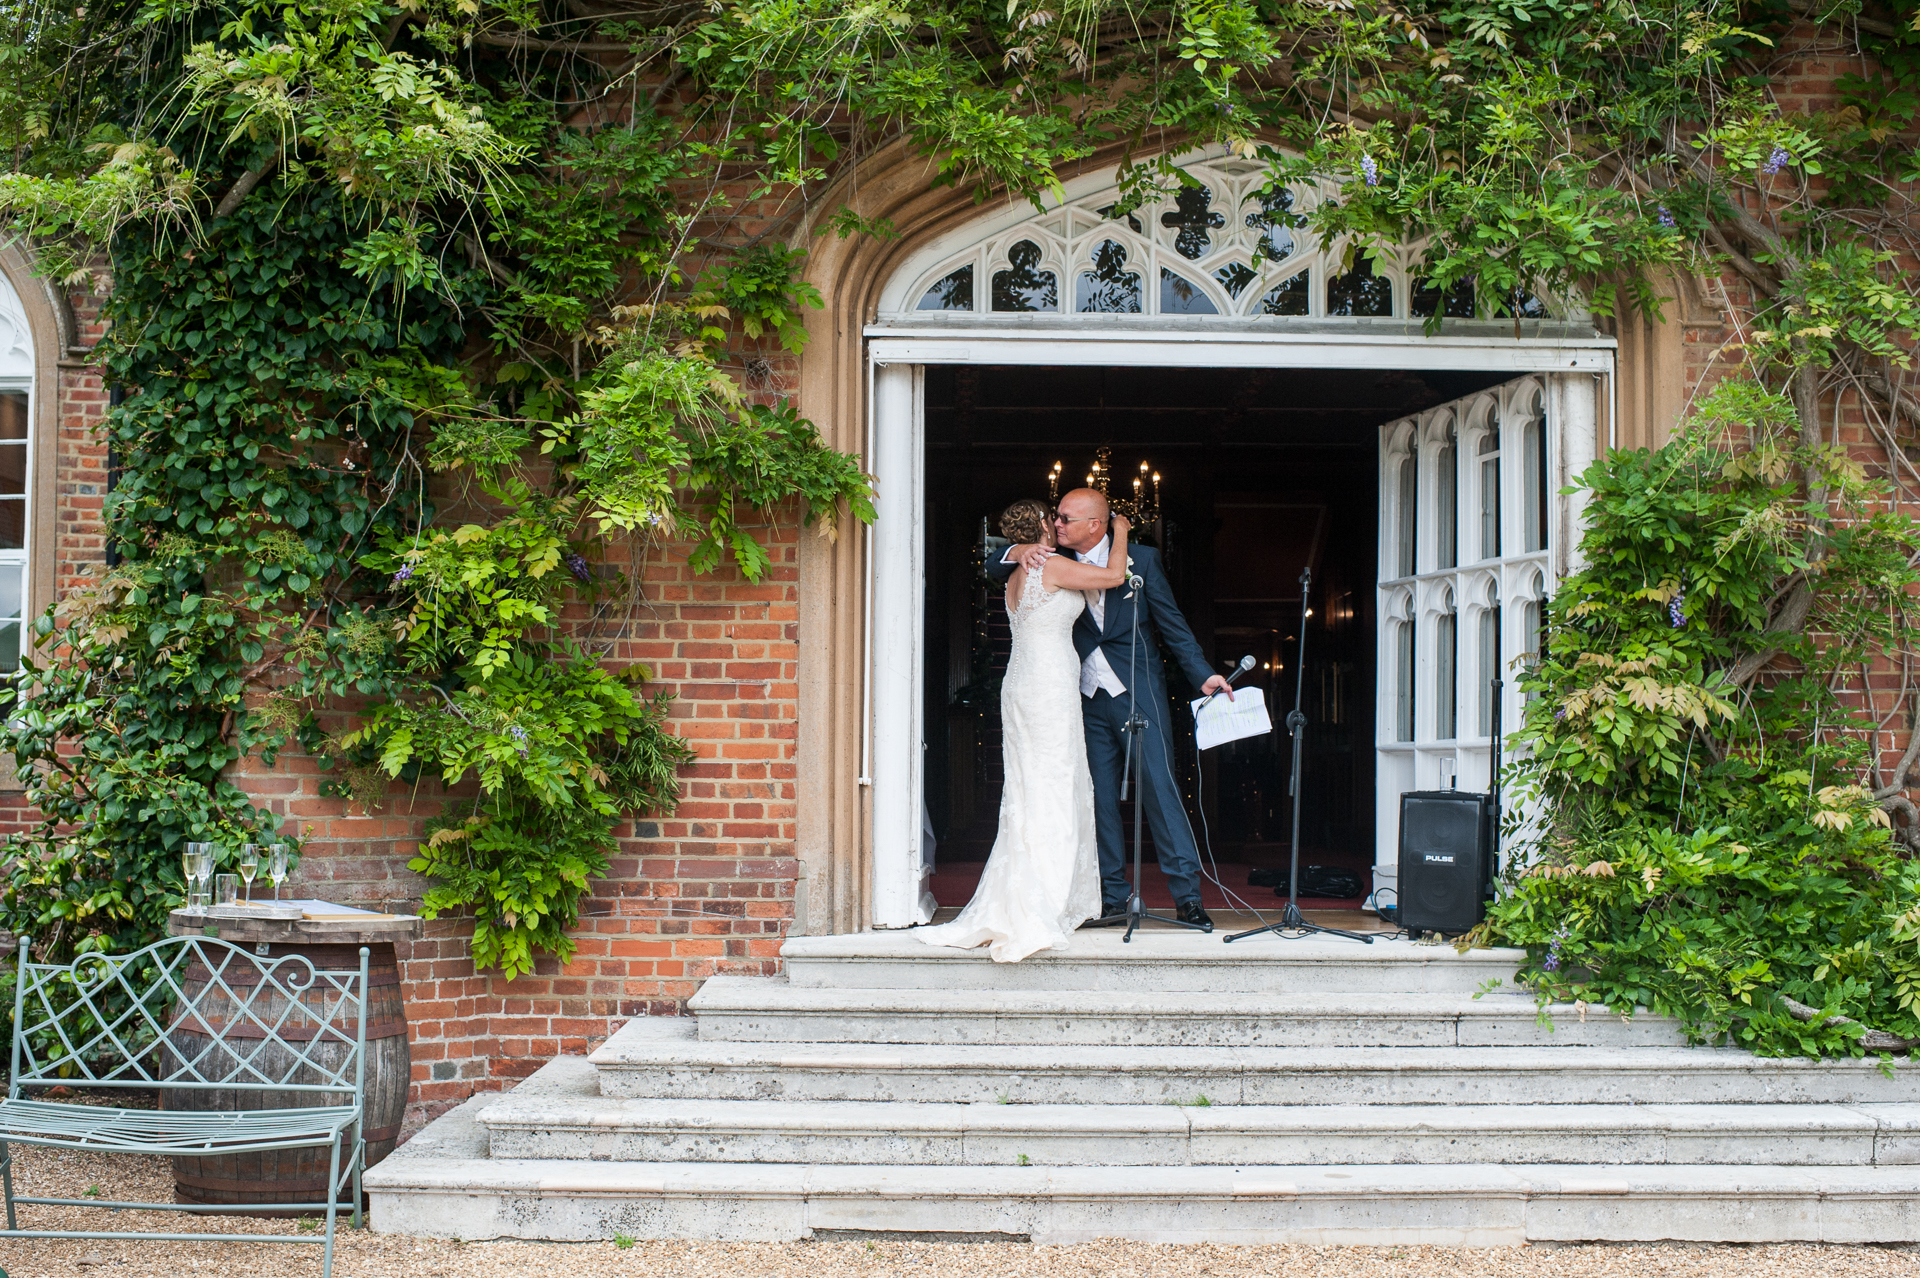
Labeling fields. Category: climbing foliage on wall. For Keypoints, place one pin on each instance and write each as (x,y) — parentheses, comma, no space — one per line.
(430,315)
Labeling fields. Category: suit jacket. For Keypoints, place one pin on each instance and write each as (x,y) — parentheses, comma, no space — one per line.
(1156,608)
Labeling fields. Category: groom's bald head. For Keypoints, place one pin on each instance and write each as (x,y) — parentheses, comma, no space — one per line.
(1083,519)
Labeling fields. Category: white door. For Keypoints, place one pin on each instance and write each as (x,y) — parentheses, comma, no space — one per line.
(1473,534)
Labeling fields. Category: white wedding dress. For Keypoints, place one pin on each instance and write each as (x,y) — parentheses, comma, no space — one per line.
(1043,878)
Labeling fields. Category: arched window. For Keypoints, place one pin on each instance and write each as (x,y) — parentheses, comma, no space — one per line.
(1407,515)
(1533,474)
(1403,669)
(1446,654)
(1446,499)
(1489,457)
(16,470)
(1533,616)
(1489,645)
(1222,242)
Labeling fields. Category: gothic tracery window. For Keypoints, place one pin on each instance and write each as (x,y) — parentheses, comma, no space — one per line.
(1221,241)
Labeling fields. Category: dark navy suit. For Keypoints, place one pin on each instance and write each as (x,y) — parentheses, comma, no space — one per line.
(1138,667)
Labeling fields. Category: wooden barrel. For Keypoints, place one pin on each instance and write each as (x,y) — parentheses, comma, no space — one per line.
(294,1175)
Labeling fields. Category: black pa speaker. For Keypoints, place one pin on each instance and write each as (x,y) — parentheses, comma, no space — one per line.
(1446,859)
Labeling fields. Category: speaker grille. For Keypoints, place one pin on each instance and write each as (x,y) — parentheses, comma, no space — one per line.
(1444,860)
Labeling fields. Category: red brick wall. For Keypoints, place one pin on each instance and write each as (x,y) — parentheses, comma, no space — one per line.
(707,889)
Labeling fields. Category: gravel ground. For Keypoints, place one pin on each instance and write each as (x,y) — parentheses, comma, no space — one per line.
(53,1174)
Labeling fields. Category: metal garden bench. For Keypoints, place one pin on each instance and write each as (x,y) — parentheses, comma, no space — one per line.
(206,1021)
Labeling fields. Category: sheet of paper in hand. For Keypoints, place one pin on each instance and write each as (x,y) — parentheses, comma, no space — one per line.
(1217,720)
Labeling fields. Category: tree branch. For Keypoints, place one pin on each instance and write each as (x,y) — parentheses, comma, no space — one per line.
(1873,1040)
(519,41)
(241,189)
(1811,11)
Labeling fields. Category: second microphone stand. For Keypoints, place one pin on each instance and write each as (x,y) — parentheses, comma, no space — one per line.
(1291,920)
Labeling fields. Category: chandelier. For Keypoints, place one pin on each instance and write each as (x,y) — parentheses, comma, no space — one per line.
(1141,509)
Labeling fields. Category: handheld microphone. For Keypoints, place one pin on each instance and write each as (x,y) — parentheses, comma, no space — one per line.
(1246,663)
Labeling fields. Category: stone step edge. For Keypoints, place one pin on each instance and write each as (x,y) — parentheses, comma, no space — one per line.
(870,1119)
(650,1043)
(726,995)
(1154,948)
(1447,1204)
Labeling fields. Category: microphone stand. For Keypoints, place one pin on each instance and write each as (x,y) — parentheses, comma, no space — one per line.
(1291,920)
(1136,912)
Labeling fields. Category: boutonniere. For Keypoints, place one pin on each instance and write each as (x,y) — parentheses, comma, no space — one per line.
(1129,594)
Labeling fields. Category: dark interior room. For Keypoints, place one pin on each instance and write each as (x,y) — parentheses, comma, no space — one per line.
(1262,472)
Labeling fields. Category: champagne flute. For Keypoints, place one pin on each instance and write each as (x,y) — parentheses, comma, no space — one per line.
(277,867)
(190,872)
(206,875)
(249,865)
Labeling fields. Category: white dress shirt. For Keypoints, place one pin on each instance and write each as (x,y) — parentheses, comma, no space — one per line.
(1096,672)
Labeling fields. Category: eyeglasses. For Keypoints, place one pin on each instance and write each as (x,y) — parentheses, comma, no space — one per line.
(1072,519)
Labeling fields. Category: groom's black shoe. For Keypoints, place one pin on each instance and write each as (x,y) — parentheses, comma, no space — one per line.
(1190,912)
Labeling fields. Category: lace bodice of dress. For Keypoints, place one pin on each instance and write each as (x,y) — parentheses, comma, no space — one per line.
(1036,596)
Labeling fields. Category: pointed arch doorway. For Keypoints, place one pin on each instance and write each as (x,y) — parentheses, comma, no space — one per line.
(1185,283)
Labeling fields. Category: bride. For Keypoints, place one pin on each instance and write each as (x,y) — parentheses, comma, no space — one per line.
(1043,878)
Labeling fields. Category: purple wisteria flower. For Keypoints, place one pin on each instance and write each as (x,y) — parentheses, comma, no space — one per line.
(1666,217)
(577,565)
(1780,159)
(1677,608)
(1552,961)
(519,734)
(405,574)
(1369,170)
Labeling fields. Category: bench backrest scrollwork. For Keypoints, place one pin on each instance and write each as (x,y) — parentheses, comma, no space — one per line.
(190,1012)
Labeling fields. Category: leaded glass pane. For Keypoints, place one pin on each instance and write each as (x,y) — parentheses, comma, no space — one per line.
(1193,216)
(1289,297)
(1403,693)
(1277,221)
(1490,490)
(1021,287)
(1109,288)
(1409,514)
(13,467)
(13,415)
(1360,291)
(1489,665)
(1458,300)
(1181,296)
(1446,502)
(1533,476)
(954,293)
(1234,277)
(1522,304)
(13,524)
(1445,652)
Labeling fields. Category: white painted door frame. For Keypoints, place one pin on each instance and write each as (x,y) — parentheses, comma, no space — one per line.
(896,545)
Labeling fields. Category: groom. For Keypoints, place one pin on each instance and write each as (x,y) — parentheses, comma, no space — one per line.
(1115,664)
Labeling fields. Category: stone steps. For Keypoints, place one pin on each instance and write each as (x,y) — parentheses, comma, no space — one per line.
(1355,1094)
(440,1184)
(770,1010)
(662,1057)
(1170,961)
(981,1135)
